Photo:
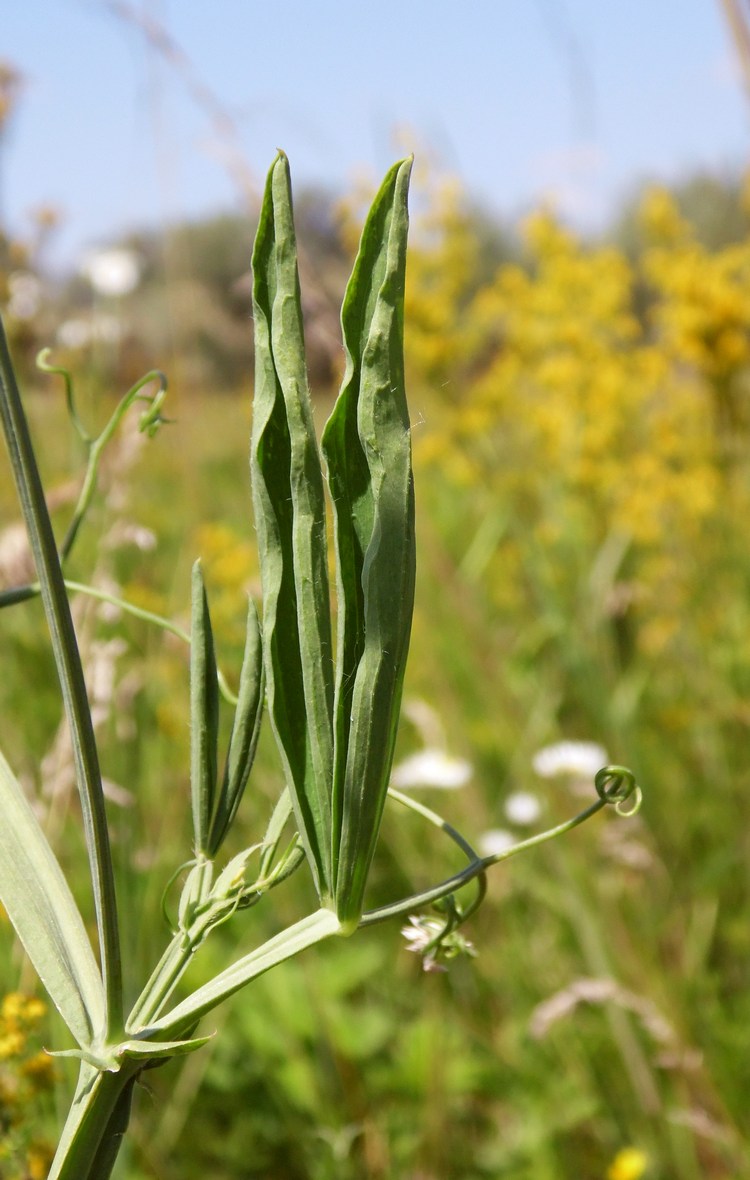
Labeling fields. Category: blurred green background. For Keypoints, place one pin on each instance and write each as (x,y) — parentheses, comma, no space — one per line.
(581,433)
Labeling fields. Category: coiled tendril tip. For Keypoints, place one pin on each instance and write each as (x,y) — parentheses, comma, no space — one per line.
(616,785)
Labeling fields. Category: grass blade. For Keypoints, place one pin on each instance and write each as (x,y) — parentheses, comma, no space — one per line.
(367,446)
(289,505)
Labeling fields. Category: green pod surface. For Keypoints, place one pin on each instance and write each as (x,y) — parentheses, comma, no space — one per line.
(289,506)
(244,738)
(367,446)
(204,714)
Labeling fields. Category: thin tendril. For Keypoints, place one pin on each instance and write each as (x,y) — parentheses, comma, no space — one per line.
(453,833)
(616,785)
(43,364)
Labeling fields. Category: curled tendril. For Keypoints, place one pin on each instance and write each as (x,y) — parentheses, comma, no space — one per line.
(45,366)
(617,785)
(152,417)
(188,864)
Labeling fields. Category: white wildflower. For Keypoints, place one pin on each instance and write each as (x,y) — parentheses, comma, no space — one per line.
(522,808)
(418,936)
(496,841)
(449,945)
(420,933)
(25,294)
(112,272)
(432,768)
(574,758)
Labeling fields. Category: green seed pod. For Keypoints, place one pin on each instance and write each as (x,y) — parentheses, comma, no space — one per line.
(367,445)
(245,732)
(204,714)
(336,742)
(289,505)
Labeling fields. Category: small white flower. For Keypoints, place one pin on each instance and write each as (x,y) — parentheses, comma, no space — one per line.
(575,758)
(25,291)
(496,841)
(432,768)
(112,272)
(420,933)
(522,808)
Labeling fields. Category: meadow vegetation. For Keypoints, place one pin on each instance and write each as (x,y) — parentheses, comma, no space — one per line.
(580,426)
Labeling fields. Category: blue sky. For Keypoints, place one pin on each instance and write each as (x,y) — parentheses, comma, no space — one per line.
(575,100)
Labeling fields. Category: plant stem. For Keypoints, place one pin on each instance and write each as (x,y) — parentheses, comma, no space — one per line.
(96,1122)
(164,978)
(72,683)
(22,593)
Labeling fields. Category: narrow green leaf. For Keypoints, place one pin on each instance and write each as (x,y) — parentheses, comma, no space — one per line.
(314,928)
(70,674)
(153,1050)
(367,446)
(245,732)
(274,831)
(204,713)
(44,914)
(289,504)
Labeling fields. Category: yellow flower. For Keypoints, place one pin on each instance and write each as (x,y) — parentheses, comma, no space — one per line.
(39,1160)
(628,1164)
(13,1006)
(11,1045)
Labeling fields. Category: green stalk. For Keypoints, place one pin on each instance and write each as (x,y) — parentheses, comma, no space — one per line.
(305,933)
(96,1123)
(165,977)
(23,593)
(97,447)
(72,683)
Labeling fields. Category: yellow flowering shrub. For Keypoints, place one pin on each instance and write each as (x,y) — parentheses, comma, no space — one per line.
(443,268)
(26,1076)
(600,400)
